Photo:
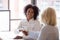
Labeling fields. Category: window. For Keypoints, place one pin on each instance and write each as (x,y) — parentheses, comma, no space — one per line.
(4,5)
(4,15)
(0,4)
(4,21)
(17,8)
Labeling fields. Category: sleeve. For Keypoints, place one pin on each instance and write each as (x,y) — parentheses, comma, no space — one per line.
(37,26)
(19,28)
(42,35)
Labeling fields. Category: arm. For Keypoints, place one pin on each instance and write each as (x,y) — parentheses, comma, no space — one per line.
(21,28)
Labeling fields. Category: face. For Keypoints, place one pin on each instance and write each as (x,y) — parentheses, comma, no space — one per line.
(30,13)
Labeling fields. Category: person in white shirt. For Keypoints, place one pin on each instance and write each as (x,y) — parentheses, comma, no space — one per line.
(50,30)
(31,23)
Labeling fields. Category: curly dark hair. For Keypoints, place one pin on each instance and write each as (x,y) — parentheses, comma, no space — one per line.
(35,9)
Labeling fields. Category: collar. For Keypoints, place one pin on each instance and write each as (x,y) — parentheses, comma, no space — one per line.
(31,20)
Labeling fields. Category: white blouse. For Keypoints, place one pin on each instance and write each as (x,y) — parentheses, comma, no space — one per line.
(32,25)
(49,33)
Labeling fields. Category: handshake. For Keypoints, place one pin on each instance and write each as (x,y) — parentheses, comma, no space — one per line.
(22,32)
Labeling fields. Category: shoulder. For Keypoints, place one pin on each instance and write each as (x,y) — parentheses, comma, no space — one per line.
(56,29)
(50,29)
(45,29)
(23,20)
(37,21)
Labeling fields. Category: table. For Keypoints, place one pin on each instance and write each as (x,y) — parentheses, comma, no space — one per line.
(8,36)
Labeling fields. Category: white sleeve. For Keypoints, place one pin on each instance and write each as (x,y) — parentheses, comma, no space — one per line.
(19,28)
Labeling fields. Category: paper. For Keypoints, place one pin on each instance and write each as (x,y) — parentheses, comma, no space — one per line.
(33,34)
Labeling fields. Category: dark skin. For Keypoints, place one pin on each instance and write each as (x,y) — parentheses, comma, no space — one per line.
(25,32)
(29,15)
(18,37)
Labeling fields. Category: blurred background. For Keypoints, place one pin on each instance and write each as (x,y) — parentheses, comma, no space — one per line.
(12,12)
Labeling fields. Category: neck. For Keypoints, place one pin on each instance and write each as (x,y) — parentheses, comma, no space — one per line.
(29,19)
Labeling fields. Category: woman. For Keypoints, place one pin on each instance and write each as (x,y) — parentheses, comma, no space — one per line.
(31,23)
(50,30)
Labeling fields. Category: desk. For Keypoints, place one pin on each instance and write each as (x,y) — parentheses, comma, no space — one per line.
(7,35)
(10,36)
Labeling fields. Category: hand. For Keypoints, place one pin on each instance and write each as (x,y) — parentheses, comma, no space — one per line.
(18,37)
(20,30)
(25,32)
